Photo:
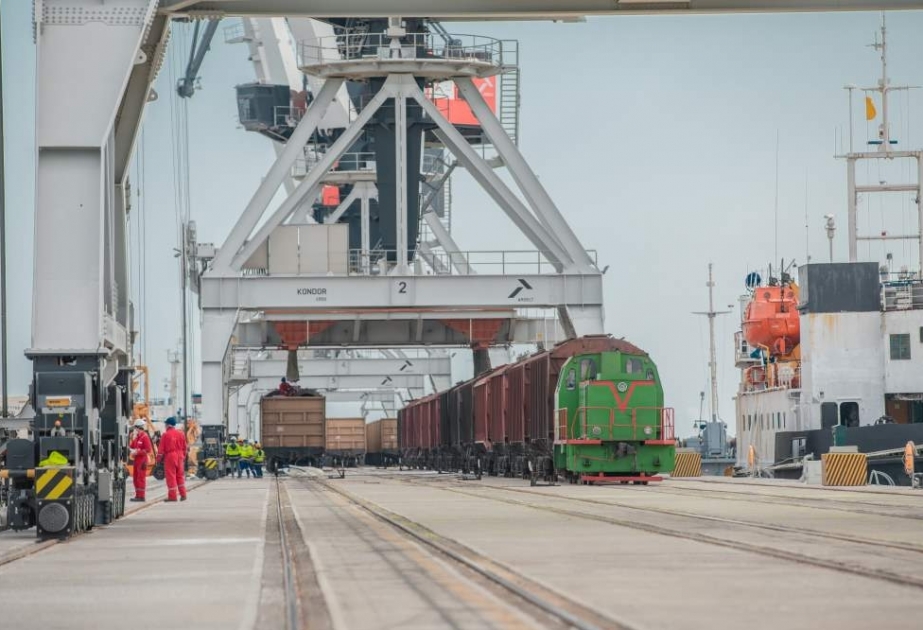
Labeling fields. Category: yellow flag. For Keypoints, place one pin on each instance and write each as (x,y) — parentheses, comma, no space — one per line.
(870,112)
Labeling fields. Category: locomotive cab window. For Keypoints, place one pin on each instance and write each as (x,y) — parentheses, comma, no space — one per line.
(572,379)
(634,366)
(588,369)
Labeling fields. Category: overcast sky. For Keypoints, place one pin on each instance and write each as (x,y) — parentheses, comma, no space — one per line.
(655,135)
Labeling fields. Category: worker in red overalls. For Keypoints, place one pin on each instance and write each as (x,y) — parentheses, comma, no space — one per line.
(141,448)
(172,452)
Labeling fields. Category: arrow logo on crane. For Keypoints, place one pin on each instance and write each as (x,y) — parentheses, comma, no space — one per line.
(523,285)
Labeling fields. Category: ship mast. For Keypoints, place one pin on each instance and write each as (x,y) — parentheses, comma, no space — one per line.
(883,87)
(711,313)
(884,149)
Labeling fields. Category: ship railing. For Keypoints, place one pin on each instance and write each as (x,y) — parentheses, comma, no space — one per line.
(782,375)
(902,295)
(743,350)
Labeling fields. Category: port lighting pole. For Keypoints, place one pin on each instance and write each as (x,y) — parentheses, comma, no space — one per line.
(713,361)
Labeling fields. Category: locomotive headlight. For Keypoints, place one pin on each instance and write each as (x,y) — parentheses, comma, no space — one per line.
(648,430)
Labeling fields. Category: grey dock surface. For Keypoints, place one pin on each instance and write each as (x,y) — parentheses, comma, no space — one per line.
(389,549)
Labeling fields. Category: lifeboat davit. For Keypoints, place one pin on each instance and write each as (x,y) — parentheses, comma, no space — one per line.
(771,319)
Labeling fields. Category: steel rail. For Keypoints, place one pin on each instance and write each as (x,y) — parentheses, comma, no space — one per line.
(288,577)
(777,499)
(730,521)
(427,537)
(883,491)
(773,552)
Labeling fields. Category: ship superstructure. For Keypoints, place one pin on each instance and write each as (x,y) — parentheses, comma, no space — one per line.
(835,357)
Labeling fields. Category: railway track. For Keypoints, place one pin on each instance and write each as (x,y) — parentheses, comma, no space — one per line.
(889,510)
(534,601)
(803,537)
(854,507)
(303,602)
(787,529)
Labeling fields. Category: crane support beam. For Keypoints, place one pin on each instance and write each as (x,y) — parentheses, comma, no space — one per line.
(408,328)
(404,381)
(351,366)
(513,9)
(409,292)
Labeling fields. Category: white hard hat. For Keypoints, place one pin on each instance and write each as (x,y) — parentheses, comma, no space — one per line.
(139,424)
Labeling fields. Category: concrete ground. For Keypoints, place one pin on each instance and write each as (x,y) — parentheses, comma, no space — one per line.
(13,543)
(685,554)
(194,564)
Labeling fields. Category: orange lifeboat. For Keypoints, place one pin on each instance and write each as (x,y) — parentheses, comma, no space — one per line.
(771,319)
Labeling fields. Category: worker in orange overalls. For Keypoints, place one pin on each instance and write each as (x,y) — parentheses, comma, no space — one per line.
(172,452)
(141,448)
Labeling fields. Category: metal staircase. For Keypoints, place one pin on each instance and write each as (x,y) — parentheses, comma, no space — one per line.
(509,91)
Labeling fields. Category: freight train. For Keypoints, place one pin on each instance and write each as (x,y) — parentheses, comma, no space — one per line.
(297,431)
(588,410)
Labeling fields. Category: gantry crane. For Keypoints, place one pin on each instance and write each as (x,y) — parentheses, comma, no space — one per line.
(100,60)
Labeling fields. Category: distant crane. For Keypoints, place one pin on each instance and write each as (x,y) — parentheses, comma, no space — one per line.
(186,86)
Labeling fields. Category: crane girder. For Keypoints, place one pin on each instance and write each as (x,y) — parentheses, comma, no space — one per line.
(512,9)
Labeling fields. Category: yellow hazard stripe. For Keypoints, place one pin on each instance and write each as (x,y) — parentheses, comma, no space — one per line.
(211,463)
(54,484)
(58,491)
(687,465)
(845,469)
(44,479)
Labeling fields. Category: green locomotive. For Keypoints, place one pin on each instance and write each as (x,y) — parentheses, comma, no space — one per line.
(612,425)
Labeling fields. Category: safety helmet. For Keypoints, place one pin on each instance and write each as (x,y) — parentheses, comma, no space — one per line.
(139,424)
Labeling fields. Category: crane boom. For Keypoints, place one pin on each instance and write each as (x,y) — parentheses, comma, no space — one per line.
(186,86)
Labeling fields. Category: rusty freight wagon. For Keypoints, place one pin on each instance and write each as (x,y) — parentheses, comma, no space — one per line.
(419,433)
(345,442)
(382,443)
(292,430)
